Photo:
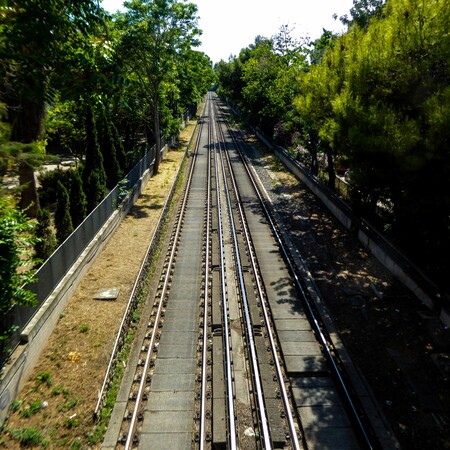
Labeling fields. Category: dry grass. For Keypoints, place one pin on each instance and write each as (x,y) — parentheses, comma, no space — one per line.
(56,404)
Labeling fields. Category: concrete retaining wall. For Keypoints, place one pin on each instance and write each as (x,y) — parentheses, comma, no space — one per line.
(383,250)
(37,332)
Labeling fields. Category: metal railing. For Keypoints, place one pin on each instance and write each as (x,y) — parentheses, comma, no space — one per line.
(63,258)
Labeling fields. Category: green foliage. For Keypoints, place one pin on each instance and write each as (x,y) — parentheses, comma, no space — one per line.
(94,177)
(38,38)
(108,150)
(379,97)
(155,35)
(28,436)
(44,377)
(362,12)
(46,240)
(64,129)
(95,188)
(262,81)
(16,242)
(33,408)
(84,328)
(78,200)
(48,181)
(69,404)
(63,221)
(60,389)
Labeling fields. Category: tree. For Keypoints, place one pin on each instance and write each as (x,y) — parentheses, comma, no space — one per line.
(78,201)
(362,12)
(154,34)
(46,240)
(108,150)
(318,88)
(94,177)
(320,45)
(63,221)
(37,38)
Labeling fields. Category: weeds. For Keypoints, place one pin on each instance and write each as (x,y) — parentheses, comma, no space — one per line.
(28,436)
(60,389)
(68,405)
(33,408)
(84,328)
(44,377)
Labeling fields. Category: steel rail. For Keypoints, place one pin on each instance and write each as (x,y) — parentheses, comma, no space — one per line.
(261,294)
(249,328)
(126,318)
(226,331)
(206,295)
(368,440)
(143,381)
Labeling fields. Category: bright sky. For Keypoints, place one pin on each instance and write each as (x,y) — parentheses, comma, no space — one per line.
(232,25)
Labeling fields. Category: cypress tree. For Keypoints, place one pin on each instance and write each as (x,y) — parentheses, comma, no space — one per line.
(108,148)
(63,221)
(95,191)
(78,200)
(46,242)
(93,188)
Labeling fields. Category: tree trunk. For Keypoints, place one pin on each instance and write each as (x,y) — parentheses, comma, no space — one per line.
(330,168)
(314,162)
(157,134)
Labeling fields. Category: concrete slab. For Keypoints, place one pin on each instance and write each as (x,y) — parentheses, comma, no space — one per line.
(178,365)
(107,294)
(287,309)
(168,422)
(175,337)
(331,439)
(180,401)
(316,396)
(219,425)
(309,382)
(171,441)
(182,303)
(176,351)
(305,364)
(181,323)
(300,348)
(292,324)
(296,336)
(323,416)
(167,382)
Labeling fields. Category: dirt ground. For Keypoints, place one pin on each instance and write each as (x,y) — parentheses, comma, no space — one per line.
(401,348)
(56,405)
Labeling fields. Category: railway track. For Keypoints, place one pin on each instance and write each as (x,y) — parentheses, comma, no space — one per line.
(235,354)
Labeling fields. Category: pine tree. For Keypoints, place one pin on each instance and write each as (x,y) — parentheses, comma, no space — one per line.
(78,200)
(63,221)
(46,242)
